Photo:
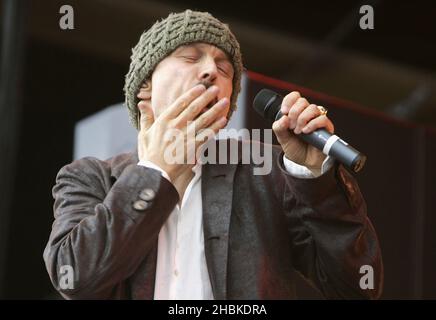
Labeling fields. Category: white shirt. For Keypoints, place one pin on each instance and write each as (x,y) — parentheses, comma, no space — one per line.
(181,270)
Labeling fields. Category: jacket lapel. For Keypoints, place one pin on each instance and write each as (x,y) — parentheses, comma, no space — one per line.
(217,194)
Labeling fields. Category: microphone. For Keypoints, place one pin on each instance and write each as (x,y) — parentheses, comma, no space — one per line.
(267,103)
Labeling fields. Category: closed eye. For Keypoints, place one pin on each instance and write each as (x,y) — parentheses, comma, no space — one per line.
(223,70)
(190,58)
(226,69)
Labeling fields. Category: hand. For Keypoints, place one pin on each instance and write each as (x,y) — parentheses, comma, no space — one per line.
(300,117)
(153,140)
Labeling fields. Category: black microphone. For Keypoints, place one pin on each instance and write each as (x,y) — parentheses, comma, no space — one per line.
(267,103)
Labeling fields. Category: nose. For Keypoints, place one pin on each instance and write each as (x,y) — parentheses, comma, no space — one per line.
(208,71)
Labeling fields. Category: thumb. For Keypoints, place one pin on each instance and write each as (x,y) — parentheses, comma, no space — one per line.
(146,115)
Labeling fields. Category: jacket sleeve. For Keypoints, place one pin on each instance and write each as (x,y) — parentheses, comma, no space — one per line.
(333,242)
(97,230)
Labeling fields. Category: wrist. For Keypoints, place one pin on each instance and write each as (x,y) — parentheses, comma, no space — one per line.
(313,163)
(153,164)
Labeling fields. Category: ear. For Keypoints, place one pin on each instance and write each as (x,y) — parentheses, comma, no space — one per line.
(145,114)
(145,91)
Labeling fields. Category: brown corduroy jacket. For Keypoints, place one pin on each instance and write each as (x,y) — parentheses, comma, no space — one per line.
(258,231)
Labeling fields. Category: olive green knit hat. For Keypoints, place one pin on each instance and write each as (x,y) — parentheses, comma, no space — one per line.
(167,35)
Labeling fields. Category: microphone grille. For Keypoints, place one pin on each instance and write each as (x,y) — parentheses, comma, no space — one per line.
(263,101)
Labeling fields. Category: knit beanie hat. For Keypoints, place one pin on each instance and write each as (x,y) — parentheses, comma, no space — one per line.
(167,35)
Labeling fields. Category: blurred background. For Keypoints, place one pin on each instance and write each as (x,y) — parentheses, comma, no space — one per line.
(379,83)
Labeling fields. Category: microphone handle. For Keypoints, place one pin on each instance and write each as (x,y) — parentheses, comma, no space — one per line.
(334,146)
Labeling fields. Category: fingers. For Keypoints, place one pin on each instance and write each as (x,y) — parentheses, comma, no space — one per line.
(211,131)
(319,122)
(296,110)
(310,120)
(309,113)
(182,102)
(210,115)
(289,101)
(301,116)
(196,106)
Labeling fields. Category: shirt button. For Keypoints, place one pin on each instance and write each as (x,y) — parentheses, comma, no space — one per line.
(176,273)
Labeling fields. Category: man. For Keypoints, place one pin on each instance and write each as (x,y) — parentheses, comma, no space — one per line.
(138,226)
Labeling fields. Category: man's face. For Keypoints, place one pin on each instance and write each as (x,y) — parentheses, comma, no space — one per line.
(186,67)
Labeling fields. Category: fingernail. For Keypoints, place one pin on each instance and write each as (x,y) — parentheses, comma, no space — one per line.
(213,89)
(200,87)
(305,129)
